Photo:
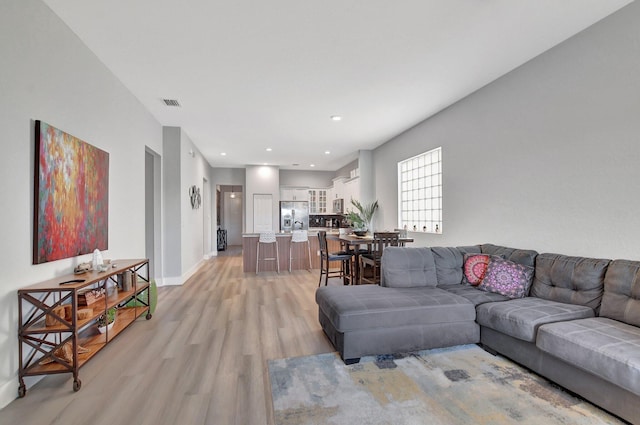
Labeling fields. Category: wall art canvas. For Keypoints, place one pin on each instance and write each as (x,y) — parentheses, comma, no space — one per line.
(71,196)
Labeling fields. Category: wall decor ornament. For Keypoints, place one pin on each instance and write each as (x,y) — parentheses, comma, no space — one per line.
(194,196)
(71,196)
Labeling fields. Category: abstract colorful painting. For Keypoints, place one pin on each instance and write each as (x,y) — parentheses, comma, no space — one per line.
(71,196)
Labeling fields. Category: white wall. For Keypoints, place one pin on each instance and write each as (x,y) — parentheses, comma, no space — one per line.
(345,171)
(222,177)
(183,166)
(48,74)
(306,178)
(228,176)
(545,157)
(366,182)
(194,168)
(262,179)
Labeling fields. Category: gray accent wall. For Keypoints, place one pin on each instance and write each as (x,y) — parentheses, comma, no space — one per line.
(171,206)
(545,157)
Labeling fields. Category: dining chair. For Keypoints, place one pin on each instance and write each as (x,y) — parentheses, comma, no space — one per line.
(299,236)
(267,238)
(326,258)
(381,240)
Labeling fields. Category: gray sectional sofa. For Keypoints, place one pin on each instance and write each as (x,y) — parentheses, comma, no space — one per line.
(579,326)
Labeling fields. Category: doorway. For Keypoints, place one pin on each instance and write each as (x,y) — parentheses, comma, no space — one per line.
(152,208)
(230,213)
(206,220)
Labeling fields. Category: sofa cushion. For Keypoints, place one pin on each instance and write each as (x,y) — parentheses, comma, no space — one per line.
(448,264)
(574,280)
(521,318)
(469,249)
(369,306)
(408,267)
(507,278)
(621,300)
(474,295)
(526,257)
(601,346)
(474,268)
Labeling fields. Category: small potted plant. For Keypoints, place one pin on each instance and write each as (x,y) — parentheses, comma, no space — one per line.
(361,219)
(106,321)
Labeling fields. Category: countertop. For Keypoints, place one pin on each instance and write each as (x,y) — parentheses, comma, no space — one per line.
(313,231)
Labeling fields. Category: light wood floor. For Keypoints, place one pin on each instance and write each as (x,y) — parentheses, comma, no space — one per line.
(201,359)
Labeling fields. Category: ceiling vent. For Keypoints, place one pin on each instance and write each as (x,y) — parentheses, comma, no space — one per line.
(171,102)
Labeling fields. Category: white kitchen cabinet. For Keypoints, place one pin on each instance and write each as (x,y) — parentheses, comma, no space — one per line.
(351,190)
(294,194)
(318,199)
(330,198)
(338,187)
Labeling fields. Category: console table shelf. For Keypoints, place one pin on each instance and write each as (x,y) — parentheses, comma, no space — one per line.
(59,346)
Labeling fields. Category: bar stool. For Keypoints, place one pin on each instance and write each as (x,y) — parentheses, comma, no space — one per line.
(267,238)
(345,272)
(299,236)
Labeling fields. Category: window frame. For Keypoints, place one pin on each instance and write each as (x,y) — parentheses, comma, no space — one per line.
(420,192)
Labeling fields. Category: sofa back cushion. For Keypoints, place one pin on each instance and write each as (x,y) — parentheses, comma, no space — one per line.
(408,267)
(526,257)
(621,300)
(449,261)
(573,280)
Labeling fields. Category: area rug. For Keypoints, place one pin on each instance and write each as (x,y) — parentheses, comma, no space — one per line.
(459,385)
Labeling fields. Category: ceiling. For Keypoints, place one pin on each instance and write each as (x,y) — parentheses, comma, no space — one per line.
(252,75)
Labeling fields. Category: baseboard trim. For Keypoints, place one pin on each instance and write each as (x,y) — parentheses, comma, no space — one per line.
(209,255)
(9,391)
(179,280)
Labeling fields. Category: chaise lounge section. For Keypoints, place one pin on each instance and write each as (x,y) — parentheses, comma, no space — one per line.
(419,305)
(578,324)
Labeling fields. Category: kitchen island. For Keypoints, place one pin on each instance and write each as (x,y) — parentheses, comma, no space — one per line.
(283,239)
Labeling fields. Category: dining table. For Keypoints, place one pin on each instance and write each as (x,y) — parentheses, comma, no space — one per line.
(351,242)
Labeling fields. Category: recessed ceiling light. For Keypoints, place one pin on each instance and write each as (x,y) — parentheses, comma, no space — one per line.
(336,117)
(312,165)
(269,149)
(265,163)
(327,152)
(223,154)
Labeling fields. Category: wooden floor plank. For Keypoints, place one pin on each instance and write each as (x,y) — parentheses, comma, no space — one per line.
(201,359)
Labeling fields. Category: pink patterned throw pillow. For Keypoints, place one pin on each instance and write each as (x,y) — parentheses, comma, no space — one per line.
(507,278)
(475,267)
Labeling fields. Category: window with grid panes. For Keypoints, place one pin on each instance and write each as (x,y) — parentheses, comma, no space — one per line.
(420,192)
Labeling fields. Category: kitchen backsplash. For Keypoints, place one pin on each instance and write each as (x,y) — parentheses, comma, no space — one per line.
(327,221)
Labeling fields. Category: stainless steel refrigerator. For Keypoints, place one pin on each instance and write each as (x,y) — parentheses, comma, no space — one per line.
(294,215)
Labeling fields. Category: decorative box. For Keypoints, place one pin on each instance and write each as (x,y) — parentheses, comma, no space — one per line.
(90,296)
